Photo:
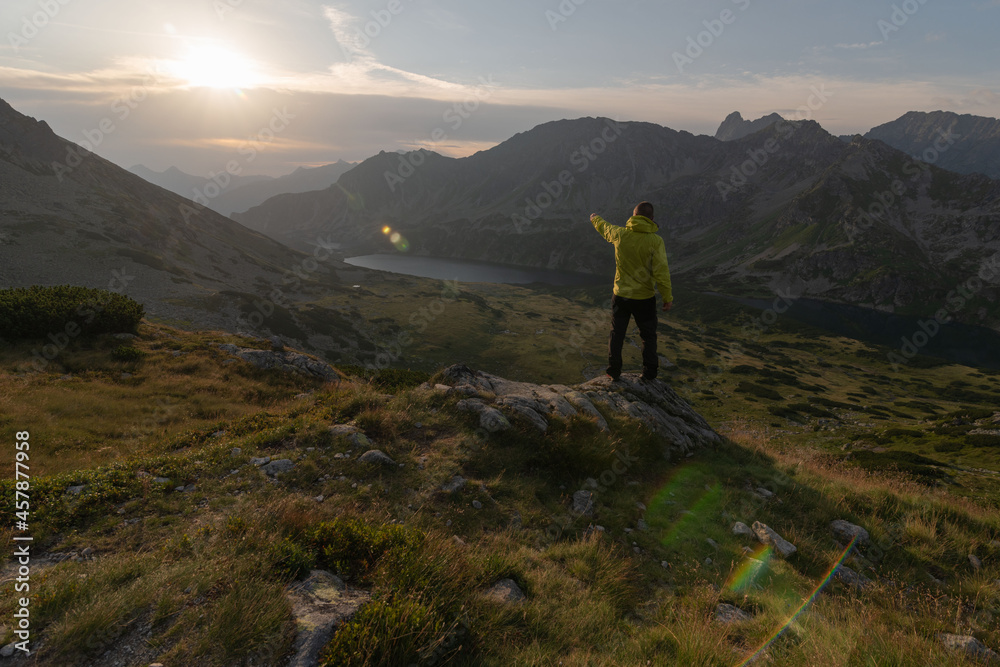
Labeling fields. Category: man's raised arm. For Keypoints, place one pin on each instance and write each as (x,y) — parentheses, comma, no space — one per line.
(605,228)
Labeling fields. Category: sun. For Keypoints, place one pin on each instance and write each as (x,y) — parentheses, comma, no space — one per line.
(213,66)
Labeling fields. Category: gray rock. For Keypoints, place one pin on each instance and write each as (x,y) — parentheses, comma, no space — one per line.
(284,360)
(846,531)
(506,590)
(728,614)
(275,467)
(851,578)
(712,543)
(764,493)
(971,646)
(456,483)
(161,480)
(376,457)
(767,536)
(236,451)
(975,562)
(260,461)
(7,650)
(653,403)
(339,430)
(359,441)
(276,344)
(642,525)
(319,604)
(478,505)
(740,528)
(76,490)
(493,420)
(583,503)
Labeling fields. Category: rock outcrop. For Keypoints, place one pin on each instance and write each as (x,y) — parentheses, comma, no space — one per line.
(283,359)
(655,404)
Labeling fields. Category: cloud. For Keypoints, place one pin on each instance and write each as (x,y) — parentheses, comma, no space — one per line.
(859,46)
(362,72)
(934,37)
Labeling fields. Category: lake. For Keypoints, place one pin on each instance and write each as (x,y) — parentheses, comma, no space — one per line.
(468,271)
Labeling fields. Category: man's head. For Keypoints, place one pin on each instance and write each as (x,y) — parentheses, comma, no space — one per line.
(645,209)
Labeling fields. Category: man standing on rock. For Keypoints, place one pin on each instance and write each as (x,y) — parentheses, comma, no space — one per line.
(640,267)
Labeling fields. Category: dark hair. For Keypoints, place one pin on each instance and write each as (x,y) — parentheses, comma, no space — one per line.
(644,209)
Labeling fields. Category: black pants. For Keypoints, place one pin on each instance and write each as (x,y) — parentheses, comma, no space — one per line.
(644,312)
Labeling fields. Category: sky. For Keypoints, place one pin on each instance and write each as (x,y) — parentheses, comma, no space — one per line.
(272,86)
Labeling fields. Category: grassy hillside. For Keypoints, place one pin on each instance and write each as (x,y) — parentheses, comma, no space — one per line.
(817,429)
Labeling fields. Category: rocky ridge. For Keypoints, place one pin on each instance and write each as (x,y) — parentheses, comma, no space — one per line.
(655,404)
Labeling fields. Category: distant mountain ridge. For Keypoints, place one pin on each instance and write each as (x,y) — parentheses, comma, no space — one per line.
(244,192)
(735,127)
(963,143)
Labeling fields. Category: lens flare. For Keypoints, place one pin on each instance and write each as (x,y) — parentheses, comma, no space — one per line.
(387,230)
(791,619)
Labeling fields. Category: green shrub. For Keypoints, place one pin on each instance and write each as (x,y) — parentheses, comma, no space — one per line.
(291,560)
(65,310)
(352,548)
(982,440)
(386,632)
(903,433)
(757,390)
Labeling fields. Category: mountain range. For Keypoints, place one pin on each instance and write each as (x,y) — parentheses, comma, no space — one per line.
(243,192)
(789,206)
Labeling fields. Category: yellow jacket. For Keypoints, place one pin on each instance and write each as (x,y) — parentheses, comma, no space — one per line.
(640,258)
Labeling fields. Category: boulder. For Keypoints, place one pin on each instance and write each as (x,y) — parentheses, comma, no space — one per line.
(279,466)
(376,457)
(851,578)
(506,590)
(727,614)
(971,646)
(453,485)
(846,531)
(740,528)
(319,604)
(654,404)
(583,503)
(765,535)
